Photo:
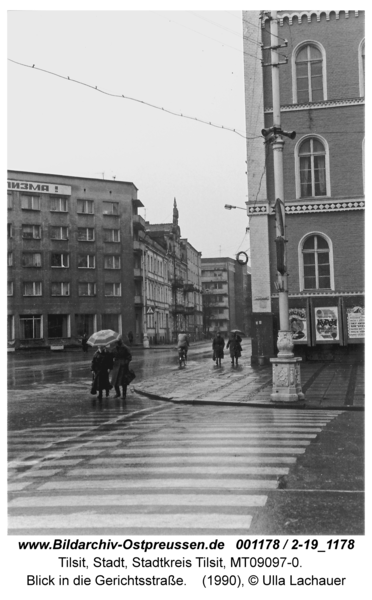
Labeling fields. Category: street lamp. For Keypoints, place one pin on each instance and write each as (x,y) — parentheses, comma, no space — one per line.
(230,206)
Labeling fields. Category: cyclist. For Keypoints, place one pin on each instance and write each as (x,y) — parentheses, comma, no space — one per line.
(182,344)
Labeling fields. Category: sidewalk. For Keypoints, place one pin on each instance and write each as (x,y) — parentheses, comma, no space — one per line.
(326,385)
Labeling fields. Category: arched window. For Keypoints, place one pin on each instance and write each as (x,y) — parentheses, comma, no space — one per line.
(317,263)
(362,67)
(312,165)
(309,75)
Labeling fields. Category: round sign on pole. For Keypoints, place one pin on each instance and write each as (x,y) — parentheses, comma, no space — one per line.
(242,258)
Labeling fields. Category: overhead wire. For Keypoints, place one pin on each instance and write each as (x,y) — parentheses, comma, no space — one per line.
(97,89)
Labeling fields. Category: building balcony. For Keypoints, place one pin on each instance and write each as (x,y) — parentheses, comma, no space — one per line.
(138,273)
(138,300)
(139,222)
(189,310)
(177,282)
(177,309)
(137,245)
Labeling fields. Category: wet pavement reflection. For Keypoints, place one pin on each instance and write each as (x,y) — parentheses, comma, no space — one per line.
(44,387)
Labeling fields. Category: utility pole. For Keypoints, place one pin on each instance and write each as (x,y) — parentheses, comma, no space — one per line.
(286,367)
(146,343)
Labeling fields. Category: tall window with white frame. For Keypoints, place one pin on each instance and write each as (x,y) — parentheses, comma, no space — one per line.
(309,74)
(316,263)
(312,163)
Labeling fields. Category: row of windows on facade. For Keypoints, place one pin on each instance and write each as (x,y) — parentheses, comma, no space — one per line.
(57,204)
(59,288)
(59,326)
(62,260)
(309,72)
(84,234)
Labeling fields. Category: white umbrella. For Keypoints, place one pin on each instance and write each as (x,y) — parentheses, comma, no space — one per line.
(105,337)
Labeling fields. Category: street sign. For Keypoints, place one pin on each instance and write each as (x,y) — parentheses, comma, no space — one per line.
(150,311)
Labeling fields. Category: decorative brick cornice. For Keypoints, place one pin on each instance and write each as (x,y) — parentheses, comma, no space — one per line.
(329,206)
(318,105)
(309,14)
(258,209)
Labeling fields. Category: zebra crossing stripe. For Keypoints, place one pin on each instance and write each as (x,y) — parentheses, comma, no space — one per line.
(180,470)
(160,521)
(159,483)
(140,500)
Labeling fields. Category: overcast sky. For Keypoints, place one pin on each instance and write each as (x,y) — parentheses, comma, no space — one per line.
(186,62)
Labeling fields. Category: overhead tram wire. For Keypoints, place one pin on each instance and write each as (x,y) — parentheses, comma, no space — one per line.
(95,88)
(254,25)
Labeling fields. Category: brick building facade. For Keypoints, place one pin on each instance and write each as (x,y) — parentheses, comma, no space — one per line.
(322,100)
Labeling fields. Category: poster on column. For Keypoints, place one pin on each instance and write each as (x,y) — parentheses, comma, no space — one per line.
(355,323)
(298,324)
(327,324)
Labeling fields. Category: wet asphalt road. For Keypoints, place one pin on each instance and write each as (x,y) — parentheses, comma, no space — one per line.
(43,387)
(322,493)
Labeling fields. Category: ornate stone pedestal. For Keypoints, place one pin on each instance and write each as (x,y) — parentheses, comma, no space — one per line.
(286,372)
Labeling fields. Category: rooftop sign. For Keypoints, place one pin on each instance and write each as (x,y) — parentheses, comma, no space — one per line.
(43,188)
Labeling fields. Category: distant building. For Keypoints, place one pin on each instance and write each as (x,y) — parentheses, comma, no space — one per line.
(70,258)
(226,296)
(322,100)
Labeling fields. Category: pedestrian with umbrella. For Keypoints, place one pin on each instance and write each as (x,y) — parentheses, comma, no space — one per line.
(102,362)
(234,343)
(121,375)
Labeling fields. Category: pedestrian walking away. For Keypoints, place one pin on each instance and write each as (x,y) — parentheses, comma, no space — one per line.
(84,342)
(130,337)
(121,374)
(234,344)
(101,366)
(218,345)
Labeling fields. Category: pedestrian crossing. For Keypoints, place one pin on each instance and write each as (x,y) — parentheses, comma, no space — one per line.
(175,469)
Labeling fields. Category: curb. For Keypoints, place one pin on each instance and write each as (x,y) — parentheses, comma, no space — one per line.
(280,405)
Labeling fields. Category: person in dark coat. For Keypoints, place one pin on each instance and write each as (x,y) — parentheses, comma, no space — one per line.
(84,343)
(102,364)
(218,345)
(235,347)
(120,372)
(130,337)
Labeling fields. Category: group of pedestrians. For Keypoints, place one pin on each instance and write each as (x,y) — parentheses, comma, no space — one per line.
(234,345)
(116,362)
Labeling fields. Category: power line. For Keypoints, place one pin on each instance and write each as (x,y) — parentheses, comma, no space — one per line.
(239,34)
(210,38)
(95,88)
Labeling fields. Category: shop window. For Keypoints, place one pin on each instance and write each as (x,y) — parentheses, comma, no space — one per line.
(84,324)
(316,266)
(309,73)
(58,326)
(31,327)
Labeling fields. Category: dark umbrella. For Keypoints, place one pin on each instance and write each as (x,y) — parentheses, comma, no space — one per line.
(239,332)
